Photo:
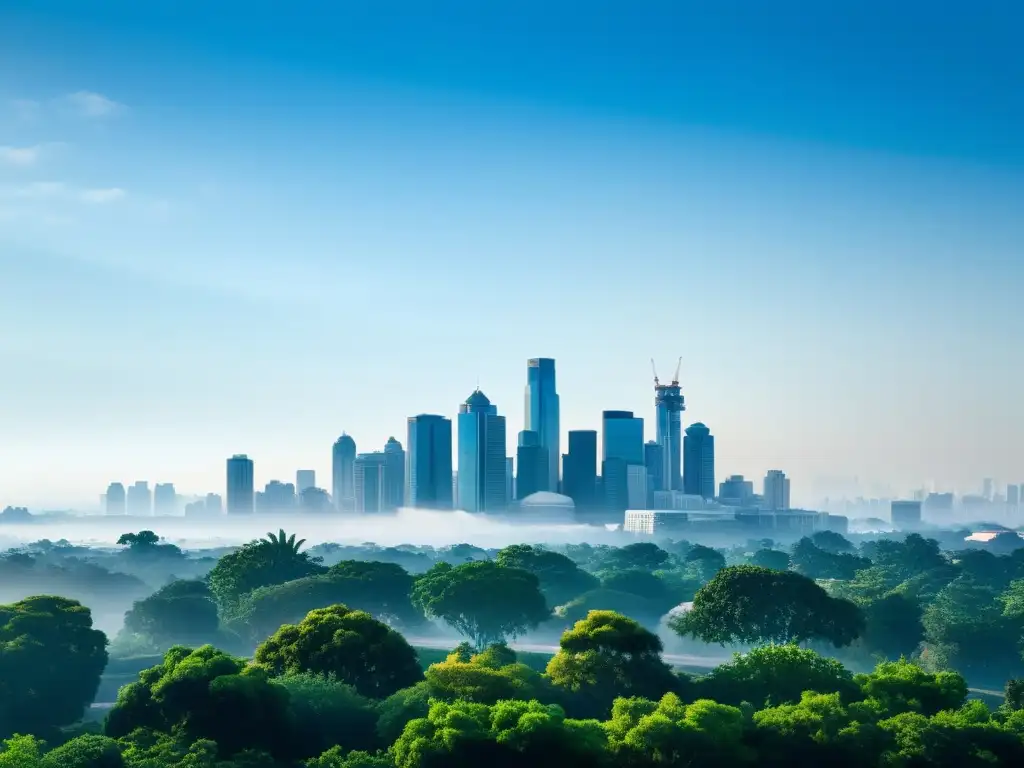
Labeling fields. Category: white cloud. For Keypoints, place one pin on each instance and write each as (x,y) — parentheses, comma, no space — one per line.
(40,189)
(90,104)
(25,109)
(20,156)
(99,196)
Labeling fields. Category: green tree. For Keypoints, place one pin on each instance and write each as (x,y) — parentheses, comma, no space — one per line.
(89,751)
(901,686)
(776,674)
(51,660)
(486,678)
(560,578)
(892,625)
(830,541)
(646,611)
(816,563)
(643,555)
(482,600)
(325,713)
(180,613)
(22,752)
(747,604)
(705,562)
(351,645)
(273,560)
(140,540)
(652,590)
(774,559)
(608,655)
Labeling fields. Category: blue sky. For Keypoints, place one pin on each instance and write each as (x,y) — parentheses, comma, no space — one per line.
(231,227)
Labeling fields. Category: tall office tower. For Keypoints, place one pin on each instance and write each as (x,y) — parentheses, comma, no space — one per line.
(483,465)
(579,467)
(542,414)
(905,515)
(623,437)
(140,500)
(115,499)
(277,497)
(305,478)
(394,475)
(988,488)
(654,461)
(636,487)
(241,491)
(165,499)
(938,508)
(314,500)
(455,491)
(214,503)
(428,462)
(615,482)
(668,407)
(510,479)
(533,465)
(699,461)
(369,470)
(343,484)
(776,490)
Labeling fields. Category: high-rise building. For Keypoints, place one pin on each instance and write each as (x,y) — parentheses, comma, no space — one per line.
(542,414)
(483,465)
(615,482)
(241,489)
(510,479)
(579,467)
(140,499)
(735,491)
(699,461)
(214,503)
(314,499)
(428,462)
(165,499)
(905,515)
(369,470)
(623,437)
(636,486)
(654,461)
(776,490)
(1012,495)
(343,483)
(938,508)
(305,478)
(276,497)
(115,499)
(394,475)
(533,465)
(668,407)
(988,488)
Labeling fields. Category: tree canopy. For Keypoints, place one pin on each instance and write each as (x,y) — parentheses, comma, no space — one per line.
(273,560)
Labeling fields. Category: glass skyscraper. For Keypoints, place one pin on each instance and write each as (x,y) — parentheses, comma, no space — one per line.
(241,492)
(482,461)
(580,469)
(394,475)
(668,405)
(428,462)
(699,461)
(623,437)
(343,482)
(531,465)
(542,413)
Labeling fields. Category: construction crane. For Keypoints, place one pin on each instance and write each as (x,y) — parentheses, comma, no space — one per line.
(675,379)
(655,371)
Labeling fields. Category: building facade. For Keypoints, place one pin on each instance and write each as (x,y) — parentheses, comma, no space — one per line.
(241,497)
(482,460)
(668,408)
(165,499)
(394,475)
(699,461)
(428,462)
(623,437)
(736,491)
(343,483)
(532,465)
(637,488)
(116,500)
(368,472)
(776,490)
(140,499)
(305,478)
(905,515)
(579,469)
(542,413)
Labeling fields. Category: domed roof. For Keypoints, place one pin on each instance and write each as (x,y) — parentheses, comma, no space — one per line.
(345,439)
(478,399)
(547,499)
(698,426)
(392,445)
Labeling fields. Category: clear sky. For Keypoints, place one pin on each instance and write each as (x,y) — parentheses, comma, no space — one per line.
(246,227)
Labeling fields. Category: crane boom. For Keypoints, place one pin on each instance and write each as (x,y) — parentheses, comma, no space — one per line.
(655,371)
(675,379)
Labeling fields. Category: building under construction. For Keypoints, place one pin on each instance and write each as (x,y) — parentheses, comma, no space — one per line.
(668,405)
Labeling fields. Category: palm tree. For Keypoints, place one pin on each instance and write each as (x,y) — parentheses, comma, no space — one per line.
(281,544)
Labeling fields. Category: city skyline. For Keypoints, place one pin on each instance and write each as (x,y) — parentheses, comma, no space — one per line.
(248,231)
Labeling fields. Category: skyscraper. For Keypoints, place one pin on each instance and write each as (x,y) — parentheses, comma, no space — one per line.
(368,472)
(140,500)
(1012,495)
(428,462)
(654,461)
(394,475)
(776,490)
(276,497)
(580,468)
(343,484)
(165,499)
(241,495)
(116,499)
(699,461)
(305,478)
(542,413)
(615,482)
(668,405)
(482,459)
(532,465)
(623,437)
